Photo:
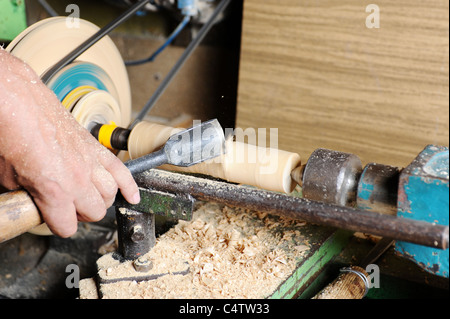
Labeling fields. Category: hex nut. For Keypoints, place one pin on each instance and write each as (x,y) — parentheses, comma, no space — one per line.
(142,264)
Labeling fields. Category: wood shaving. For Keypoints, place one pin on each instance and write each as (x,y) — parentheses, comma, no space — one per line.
(231,253)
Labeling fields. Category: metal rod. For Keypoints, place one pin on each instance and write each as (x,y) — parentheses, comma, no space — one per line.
(402,229)
(69,58)
(186,54)
(376,252)
(48,8)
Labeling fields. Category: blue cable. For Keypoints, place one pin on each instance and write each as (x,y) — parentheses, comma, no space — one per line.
(174,34)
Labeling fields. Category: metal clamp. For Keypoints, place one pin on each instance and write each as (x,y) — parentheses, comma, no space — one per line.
(178,206)
(136,223)
(360,275)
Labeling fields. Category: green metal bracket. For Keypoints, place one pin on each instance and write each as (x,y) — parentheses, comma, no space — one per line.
(328,244)
(161,203)
(13,18)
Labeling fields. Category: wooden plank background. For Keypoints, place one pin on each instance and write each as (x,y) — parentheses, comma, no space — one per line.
(314,70)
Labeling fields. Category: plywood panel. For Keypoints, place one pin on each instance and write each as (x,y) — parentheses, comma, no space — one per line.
(314,70)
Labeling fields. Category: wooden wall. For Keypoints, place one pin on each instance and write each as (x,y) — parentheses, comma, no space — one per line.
(314,70)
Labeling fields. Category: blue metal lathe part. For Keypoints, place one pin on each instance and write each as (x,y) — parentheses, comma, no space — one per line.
(424,195)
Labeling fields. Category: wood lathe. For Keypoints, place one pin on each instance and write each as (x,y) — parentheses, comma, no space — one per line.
(317,206)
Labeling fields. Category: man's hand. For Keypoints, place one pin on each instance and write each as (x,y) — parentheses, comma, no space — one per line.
(70,176)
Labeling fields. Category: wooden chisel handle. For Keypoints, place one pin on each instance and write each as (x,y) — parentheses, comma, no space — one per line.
(18,214)
(350,284)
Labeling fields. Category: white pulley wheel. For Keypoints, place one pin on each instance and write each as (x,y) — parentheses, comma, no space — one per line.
(97,107)
(48,41)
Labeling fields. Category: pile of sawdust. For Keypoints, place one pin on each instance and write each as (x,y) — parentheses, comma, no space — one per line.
(231,253)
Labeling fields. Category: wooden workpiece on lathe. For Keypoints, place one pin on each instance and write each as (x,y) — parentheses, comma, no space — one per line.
(266,168)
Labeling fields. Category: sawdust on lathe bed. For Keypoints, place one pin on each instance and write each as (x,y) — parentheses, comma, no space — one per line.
(231,253)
